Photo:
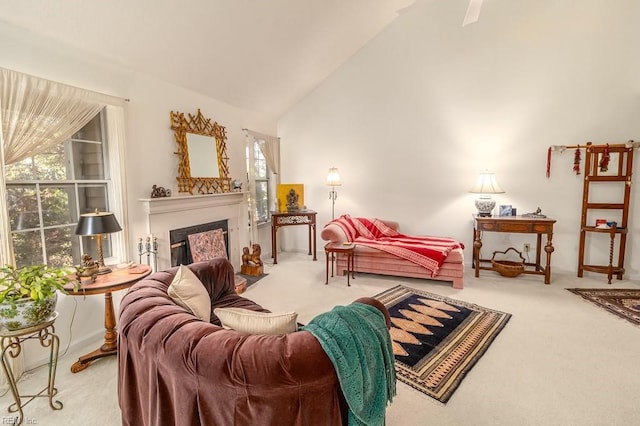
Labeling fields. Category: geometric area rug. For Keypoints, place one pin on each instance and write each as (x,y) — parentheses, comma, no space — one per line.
(436,340)
(624,303)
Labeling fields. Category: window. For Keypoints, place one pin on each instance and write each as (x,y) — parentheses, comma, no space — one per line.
(46,194)
(257,162)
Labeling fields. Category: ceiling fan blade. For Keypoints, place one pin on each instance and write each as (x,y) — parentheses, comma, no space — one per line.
(473,12)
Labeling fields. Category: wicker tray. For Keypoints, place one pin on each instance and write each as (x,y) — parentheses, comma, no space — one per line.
(507,268)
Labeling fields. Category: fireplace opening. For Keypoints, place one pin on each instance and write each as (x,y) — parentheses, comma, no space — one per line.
(178,240)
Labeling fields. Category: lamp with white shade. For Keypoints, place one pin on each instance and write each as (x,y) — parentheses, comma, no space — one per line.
(486,185)
(333,180)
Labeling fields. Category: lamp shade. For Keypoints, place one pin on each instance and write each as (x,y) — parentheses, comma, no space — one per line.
(486,184)
(333,177)
(97,223)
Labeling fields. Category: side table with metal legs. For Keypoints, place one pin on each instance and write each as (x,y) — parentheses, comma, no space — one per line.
(11,345)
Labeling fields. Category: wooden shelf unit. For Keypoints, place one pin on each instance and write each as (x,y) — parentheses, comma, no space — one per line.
(593,175)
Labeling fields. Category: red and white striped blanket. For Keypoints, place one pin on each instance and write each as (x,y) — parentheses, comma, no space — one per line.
(428,252)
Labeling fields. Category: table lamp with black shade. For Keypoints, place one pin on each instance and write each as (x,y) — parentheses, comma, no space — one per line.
(97,224)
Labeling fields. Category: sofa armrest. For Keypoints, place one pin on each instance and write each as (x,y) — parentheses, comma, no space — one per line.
(376,304)
(218,278)
(333,233)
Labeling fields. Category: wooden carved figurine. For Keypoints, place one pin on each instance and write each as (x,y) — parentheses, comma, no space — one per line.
(246,257)
(251,262)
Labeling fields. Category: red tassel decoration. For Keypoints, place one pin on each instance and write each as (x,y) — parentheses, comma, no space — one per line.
(604,161)
(576,161)
(548,162)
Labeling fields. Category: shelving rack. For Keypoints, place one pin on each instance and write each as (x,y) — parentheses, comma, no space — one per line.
(617,174)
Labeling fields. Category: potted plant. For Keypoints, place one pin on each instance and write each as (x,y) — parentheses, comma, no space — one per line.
(28,295)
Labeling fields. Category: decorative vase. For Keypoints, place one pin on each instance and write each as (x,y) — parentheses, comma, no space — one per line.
(26,312)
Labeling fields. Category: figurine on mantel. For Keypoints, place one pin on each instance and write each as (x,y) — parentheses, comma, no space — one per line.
(236,186)
(251,262)
(159,192)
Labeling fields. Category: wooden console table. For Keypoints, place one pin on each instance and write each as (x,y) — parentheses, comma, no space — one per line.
(519,225)
(105,284)
(302,217)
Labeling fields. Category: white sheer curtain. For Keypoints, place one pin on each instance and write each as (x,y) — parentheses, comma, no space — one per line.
(270,148)
(117,173)
(37,114)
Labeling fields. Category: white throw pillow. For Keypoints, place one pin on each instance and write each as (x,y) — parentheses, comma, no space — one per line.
(187,291)
(252,322)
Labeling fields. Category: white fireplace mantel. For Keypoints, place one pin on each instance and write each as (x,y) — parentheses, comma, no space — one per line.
(187,202)
(168,213)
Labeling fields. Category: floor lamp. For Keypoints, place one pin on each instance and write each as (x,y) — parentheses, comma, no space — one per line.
(333,180)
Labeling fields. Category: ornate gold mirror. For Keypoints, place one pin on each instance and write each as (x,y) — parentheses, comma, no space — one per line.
(202,153)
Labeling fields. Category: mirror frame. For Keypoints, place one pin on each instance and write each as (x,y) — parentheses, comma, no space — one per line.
(200,125)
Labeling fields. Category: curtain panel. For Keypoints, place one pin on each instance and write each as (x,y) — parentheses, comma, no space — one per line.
(38,114)
(270,148)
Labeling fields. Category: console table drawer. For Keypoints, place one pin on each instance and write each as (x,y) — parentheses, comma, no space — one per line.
(505,227)
(516,226)
(543,228)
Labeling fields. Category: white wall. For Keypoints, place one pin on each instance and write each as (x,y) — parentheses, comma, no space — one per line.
(414,116)
(150,144)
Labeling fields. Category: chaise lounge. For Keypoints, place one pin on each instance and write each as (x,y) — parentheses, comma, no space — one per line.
(383,255)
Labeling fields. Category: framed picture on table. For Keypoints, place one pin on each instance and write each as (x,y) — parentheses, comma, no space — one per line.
(505,210)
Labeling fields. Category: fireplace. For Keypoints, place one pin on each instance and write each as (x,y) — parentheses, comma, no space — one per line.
(167,214)
(178,240)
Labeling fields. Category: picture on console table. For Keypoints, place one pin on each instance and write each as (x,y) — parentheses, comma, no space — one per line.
(290,197)
(505,210)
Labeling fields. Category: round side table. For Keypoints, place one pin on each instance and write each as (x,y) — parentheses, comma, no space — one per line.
(11,345)
(106,284)
(347,250)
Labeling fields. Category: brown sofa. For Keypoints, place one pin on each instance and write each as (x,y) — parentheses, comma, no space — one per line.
(371,260)
(174,369)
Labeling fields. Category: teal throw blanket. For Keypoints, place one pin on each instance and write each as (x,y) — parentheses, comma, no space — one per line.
(356,339)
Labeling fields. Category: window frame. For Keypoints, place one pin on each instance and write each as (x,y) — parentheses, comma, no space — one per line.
(265,180)
(113,197)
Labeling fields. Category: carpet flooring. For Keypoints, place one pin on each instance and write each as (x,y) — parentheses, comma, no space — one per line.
(625,303)
(560,361)
(437,340)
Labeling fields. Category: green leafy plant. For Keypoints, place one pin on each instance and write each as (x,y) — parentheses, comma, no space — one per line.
(37,282)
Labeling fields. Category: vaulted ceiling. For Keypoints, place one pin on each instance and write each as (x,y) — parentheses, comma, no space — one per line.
(261,55)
